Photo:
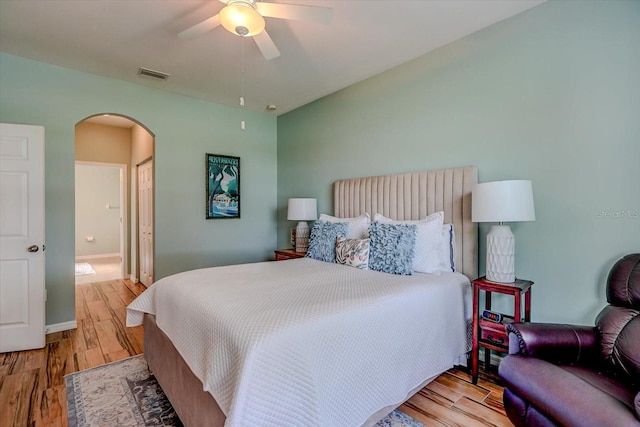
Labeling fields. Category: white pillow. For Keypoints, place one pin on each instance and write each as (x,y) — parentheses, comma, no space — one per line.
(426,258)
(447,252)
(358,226)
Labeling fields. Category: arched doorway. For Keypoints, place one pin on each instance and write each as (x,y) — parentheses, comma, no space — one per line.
(114,140)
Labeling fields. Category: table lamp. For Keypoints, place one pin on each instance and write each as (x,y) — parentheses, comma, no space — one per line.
(302,210)
(502,201)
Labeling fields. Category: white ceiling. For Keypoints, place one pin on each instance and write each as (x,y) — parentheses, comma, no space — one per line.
(113,38)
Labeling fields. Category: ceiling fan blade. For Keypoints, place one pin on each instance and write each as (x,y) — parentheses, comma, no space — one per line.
(266,45)
(201,28)
(321,15)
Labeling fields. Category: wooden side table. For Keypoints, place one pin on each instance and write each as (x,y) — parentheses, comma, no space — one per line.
(284,254)
(492,335)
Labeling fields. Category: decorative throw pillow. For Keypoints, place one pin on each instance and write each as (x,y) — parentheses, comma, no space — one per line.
(322,242)
(353,252)
(358,225)
(447,252)
(428,237)
(392,247)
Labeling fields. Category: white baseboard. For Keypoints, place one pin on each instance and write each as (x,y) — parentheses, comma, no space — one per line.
(59,327)
(81,257)
(133,278)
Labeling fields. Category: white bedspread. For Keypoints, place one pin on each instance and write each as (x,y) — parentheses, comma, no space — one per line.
(308,343)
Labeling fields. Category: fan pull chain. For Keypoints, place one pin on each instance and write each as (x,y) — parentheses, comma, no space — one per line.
(242,122)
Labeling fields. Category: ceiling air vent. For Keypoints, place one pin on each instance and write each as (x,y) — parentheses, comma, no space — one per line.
(158,75)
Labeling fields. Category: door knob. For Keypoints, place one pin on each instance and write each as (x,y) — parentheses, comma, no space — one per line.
(33,248)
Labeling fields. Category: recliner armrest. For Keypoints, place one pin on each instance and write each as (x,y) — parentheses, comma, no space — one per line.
(561,396)
(556,343)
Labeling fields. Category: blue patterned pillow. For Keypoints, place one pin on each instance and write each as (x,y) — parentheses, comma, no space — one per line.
(392,247)
(322,242)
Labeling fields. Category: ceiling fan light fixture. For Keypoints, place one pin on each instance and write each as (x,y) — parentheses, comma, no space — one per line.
(242,19)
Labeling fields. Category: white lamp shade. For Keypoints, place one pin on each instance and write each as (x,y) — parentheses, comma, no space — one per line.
(241,19)
(503,201)
(302,209)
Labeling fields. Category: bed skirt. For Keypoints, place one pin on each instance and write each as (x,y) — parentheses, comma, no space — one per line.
(184,390)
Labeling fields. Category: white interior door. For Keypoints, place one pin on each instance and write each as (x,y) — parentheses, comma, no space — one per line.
(22,292)
(145,221)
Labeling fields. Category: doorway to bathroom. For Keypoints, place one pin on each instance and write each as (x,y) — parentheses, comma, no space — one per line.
(109,148)
(100,210)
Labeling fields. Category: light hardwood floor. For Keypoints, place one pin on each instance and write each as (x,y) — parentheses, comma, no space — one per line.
(32,391)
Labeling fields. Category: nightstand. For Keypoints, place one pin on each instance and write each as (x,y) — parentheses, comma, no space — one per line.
(283,254)
(492,335)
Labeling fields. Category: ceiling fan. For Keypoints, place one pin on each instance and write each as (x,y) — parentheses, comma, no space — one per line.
(245,18)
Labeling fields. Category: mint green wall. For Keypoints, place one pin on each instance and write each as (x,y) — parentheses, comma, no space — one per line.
(551,95)
(185,129)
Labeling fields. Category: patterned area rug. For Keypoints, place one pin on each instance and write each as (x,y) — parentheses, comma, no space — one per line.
(125,393)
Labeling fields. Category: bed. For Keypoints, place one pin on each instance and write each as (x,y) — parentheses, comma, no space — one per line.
(306,342)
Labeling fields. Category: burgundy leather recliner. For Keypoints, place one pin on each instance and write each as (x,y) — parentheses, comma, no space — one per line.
(564,375)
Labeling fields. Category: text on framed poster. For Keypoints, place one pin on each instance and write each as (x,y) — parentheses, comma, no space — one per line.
(223,186)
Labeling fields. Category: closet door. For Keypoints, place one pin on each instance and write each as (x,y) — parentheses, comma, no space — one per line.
(145,221)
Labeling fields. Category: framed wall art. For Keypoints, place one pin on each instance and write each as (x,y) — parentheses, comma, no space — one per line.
(223,186)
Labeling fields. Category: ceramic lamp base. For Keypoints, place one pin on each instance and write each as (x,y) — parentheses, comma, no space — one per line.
(501,245)
(302,237)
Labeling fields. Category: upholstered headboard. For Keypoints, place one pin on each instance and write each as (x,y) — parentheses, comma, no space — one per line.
(412,196)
